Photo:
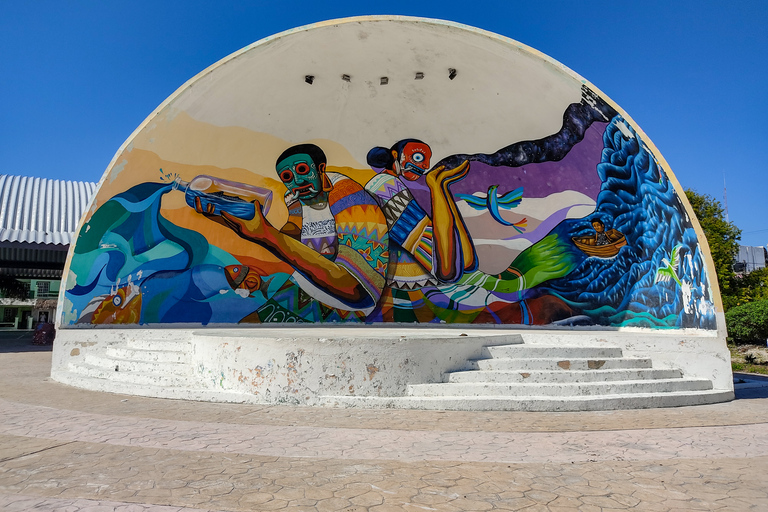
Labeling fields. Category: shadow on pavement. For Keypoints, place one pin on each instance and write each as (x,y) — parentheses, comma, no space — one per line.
(749,385)
(20,341)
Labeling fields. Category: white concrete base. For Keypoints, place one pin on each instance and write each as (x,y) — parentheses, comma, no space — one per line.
(423,368)
(537,403)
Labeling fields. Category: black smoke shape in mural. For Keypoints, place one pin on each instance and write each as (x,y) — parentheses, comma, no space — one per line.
(637,199)
(578,117)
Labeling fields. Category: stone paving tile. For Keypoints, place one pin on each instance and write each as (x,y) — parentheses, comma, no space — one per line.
(24,420)
(23,446)
(19,503)
(116,476)
(68,449)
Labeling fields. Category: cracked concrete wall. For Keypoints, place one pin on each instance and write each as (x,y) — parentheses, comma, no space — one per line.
(302,366)
(299,367)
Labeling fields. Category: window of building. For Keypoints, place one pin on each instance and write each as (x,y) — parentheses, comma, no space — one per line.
(43,288)
(10,314)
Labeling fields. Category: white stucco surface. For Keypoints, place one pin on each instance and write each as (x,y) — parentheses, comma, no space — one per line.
(322,366)
(494,80)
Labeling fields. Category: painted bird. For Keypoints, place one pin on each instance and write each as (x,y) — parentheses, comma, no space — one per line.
(492,203)
(669,267)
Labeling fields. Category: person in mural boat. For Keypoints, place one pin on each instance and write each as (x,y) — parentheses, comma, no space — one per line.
(603,244)
(423,250)
(601,237)
(336,236)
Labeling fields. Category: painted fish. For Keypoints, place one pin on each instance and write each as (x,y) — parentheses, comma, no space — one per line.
(122,307)
(243,276)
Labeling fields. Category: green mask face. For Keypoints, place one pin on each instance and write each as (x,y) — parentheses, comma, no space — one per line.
(300,175)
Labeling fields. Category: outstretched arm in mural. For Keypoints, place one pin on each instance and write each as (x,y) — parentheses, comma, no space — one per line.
(321,271)
(441,244)
(336,236)
(452,239)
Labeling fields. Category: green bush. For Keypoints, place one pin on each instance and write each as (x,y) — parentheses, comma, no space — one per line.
(748,323)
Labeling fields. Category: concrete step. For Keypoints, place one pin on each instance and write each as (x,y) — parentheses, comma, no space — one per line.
(127,376)
(154,344)
(539,351)
(562,376)
(557,364)
(160,368)
(478,389)
(158,356)
(534,403)
(498,339)
(80,380)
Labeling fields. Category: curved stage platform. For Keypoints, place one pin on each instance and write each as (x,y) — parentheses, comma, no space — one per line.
(472,369)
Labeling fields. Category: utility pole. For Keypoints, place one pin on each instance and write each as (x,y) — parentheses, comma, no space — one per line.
(725,199)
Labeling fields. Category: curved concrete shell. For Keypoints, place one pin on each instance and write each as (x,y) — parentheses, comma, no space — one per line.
(390,170)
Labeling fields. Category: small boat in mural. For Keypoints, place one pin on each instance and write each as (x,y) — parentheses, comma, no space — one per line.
(588,245)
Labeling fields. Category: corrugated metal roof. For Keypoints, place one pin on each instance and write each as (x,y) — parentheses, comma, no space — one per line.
(39,210)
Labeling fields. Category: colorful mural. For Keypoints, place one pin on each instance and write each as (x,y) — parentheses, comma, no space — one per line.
(580,227)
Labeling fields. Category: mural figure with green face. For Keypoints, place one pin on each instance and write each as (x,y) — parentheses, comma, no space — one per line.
(304,179)
(336,237)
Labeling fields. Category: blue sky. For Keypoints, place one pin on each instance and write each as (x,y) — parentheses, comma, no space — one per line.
(79,76)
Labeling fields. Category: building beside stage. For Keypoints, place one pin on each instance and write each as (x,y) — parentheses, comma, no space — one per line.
(38,219)
(750,259)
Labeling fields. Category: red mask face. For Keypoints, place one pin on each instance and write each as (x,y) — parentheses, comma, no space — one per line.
(414,160)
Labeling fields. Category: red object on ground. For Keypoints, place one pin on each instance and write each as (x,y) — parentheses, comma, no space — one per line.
(44,334)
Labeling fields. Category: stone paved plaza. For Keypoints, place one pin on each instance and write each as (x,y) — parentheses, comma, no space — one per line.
(66,449)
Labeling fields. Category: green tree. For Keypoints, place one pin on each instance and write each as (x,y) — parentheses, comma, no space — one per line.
(751,287)
(748,323)
(723,238)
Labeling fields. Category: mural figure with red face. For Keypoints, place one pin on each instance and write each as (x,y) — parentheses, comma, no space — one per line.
(424,250)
